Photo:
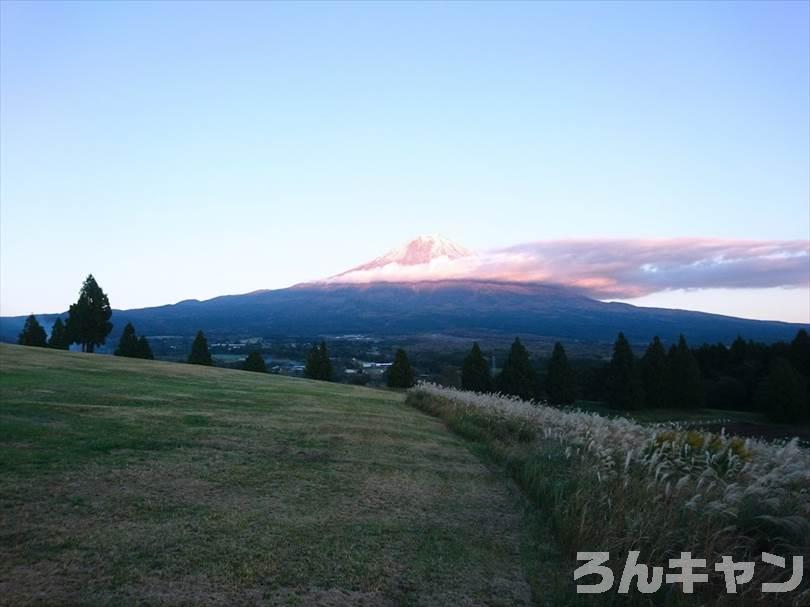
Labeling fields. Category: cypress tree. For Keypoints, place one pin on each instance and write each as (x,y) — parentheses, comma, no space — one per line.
(782,395)
(318,364)
(325,365)
(685,387)
(800,352)
(89,318)
(400,373)
(144,349)
(475,373)
(655,374)
(128,344)
(33,334)
(312,368)
(518,377)
(255,362)
(60,340)
(560,384)
(624,389)
(199,351)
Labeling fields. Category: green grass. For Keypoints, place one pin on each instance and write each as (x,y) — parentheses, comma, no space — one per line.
(126,481)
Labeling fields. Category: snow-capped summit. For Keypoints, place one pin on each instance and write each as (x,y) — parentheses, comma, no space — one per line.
(422,249)
(419,259)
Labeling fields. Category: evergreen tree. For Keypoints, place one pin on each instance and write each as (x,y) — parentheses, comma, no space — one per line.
(89,318)
(685,388)
(325,363)
(624,389)
(800,352)
(518,376)
(655,375)
(400,373)
(199,351)
(313,365)
(560,384)
(60,339)
(475,373)
(738,351)
(33,334)
(782,395)
(255,362)
(144,349)
(128,344)
(318,364)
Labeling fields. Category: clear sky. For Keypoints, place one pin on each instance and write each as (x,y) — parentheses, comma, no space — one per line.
(181,150)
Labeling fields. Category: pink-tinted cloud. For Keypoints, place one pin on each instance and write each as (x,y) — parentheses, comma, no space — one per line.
(627,268)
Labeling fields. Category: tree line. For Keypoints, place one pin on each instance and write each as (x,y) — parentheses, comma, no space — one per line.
(88,322)
(774,379)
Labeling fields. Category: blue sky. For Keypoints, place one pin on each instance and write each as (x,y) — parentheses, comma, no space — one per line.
(182,150)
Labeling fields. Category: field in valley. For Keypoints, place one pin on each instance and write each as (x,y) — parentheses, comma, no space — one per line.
(126,481)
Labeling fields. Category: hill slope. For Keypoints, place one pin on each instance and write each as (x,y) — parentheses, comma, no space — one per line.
(125,480)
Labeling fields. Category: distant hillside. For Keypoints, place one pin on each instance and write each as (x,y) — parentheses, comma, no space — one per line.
(453,307)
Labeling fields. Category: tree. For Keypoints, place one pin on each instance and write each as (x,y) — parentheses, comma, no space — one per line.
(144,349)
(312,367)
(199,351)
(60,339)
(800,352)
(326,364)
(624,389)
(255,362)
(560,384)
(475,373)
(655,375)
(400,373)
(518,376)
(782,395)
(685,387)
(33,334)
(318,364)
(89,318)
(128,344)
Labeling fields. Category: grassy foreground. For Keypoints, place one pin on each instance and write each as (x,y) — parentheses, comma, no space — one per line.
(126,481)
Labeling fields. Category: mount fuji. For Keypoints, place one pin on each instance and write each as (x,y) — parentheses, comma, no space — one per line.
(428,286)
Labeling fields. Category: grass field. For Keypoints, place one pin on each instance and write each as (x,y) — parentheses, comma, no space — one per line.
(126,481)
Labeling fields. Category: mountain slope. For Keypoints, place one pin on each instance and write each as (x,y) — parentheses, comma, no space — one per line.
(467,308)
(416,289)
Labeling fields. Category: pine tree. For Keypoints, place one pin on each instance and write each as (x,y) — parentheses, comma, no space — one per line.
(128,344)
(782,395)
(400,373)
(560,384)
(800,352)
(60,340)
(144,349)
(655,375)
(89,318)
(685,389)
(325,365)
(475,375)
(518,376)
(313,366)
(624,389)
(255,362)
(199,351)
(318,364)
(738,351)
(33,334)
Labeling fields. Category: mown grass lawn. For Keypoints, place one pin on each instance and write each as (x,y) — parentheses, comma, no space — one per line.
(126,481)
